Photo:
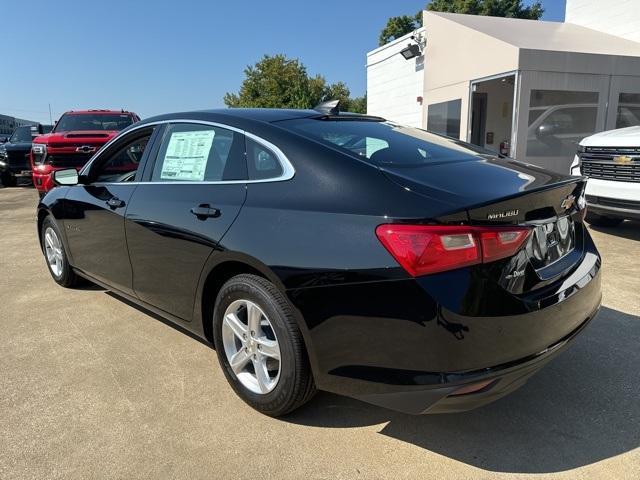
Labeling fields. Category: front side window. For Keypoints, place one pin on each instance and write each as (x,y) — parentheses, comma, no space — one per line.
(122,166)
(73,122)
(199,153)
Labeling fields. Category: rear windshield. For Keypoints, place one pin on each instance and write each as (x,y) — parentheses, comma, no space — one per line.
(383,143)
(101,121)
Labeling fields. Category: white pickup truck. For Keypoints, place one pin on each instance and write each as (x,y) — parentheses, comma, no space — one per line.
(611,160)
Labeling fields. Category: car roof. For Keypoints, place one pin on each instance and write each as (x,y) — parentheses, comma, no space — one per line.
(98,112)
(266,115)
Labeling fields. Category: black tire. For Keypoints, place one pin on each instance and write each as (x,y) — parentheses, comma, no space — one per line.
(8,180)
(66,277)
(295,385)
(602,221)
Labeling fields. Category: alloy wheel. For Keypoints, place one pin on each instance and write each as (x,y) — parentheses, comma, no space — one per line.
(251,346)
(53,250)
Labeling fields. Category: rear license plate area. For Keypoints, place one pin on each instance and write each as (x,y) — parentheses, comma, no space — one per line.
(552,241)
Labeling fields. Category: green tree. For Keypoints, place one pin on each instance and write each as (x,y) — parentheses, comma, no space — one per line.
(397,27)
(279,82)
(273,82)
(339,91)
(492,8)
(357,105)
(317,89)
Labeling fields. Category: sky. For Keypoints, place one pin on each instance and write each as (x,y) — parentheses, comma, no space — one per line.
(167,56)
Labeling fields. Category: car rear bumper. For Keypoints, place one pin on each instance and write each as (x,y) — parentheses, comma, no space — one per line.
(492,383)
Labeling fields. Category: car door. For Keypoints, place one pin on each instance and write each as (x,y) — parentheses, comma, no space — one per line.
(94,211)
(191,194)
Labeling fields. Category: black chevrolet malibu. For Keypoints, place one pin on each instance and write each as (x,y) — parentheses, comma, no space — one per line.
(323,250)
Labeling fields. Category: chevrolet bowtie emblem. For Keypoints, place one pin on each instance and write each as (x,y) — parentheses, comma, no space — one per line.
(86,149)
(568,202)
(622,159)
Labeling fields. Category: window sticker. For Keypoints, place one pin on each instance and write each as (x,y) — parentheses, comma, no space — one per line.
(187,155)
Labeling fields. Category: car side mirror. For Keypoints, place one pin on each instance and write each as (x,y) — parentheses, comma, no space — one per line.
(3,139)
(68,176)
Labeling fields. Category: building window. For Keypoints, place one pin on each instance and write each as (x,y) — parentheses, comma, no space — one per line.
(444,118)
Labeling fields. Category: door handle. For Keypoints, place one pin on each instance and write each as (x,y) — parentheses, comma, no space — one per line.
(115,202)
(205,211)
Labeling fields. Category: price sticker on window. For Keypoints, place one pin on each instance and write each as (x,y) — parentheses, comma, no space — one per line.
(187,155)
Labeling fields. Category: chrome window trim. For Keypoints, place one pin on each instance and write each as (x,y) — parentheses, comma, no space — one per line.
(288,171)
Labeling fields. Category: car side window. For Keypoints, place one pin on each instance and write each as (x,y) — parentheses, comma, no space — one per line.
(199,153)
(262,162)
(123,164)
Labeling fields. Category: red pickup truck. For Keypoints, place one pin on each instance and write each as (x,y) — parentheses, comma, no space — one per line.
(76,136)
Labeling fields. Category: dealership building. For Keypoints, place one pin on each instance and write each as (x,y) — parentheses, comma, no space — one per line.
(529,89)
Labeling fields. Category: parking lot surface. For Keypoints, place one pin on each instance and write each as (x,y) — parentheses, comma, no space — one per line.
(92,387)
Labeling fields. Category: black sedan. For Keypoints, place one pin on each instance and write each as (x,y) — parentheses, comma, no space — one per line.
(323,250)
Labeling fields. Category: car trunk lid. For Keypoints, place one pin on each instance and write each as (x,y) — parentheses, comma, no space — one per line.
(473,181)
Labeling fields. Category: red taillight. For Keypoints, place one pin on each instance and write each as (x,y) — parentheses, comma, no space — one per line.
(425,249)
(501,242)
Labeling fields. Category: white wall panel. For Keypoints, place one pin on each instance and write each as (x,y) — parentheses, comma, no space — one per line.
(616,17)
(393,84)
